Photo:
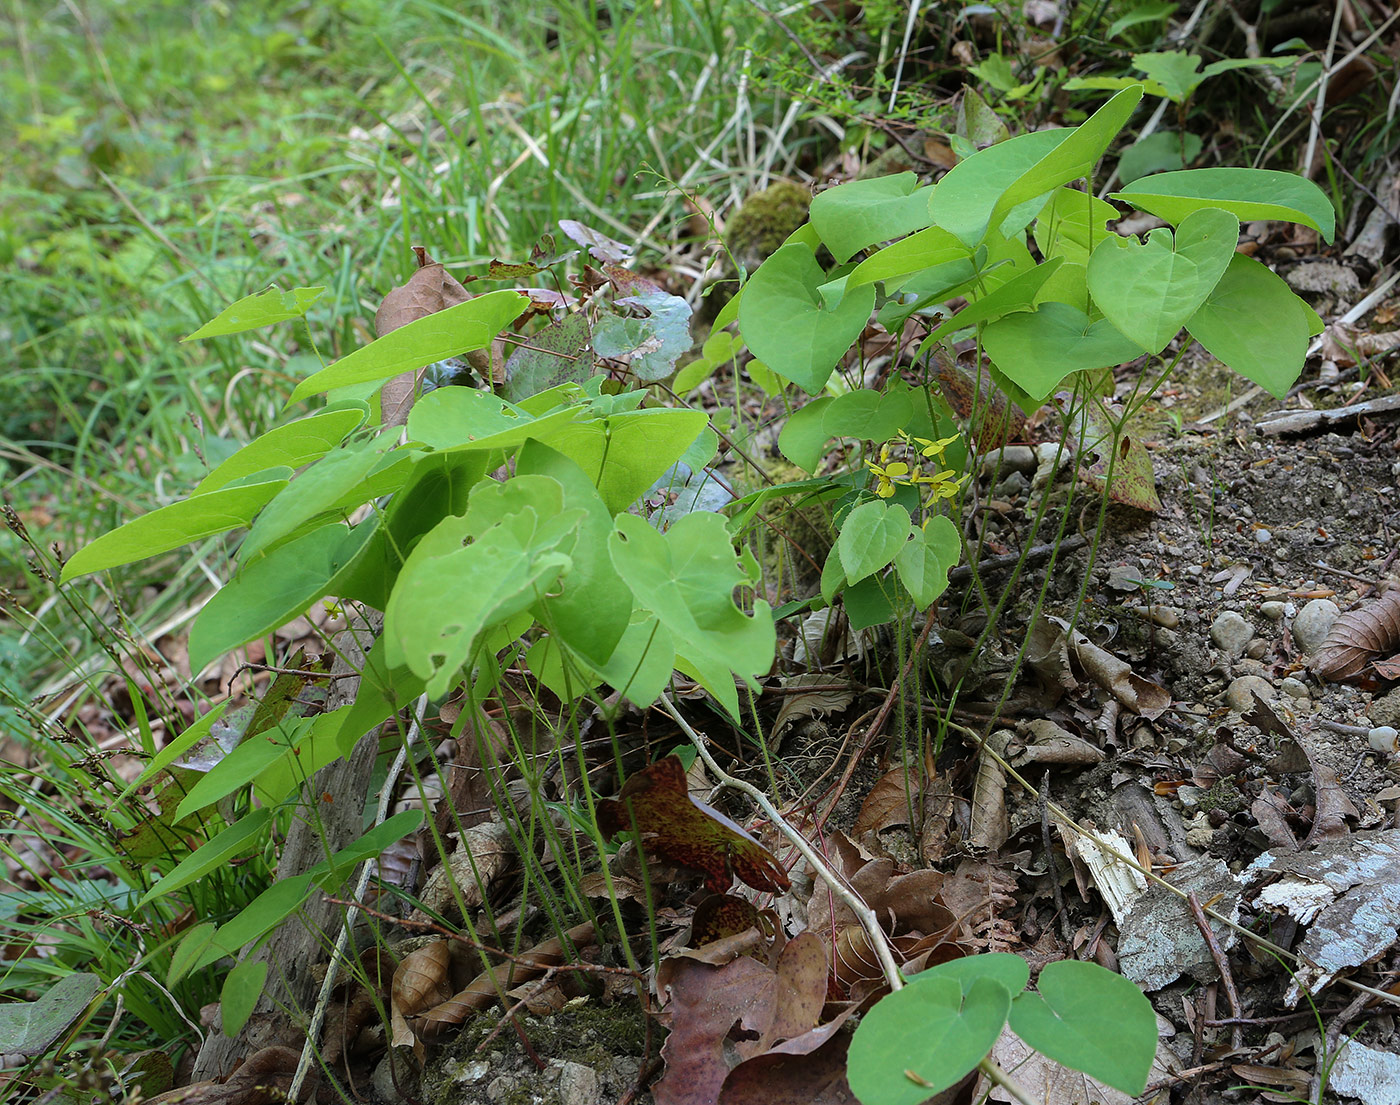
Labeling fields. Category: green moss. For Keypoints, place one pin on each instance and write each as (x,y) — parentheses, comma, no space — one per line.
(588,1033)
(1224,795)
(765,220)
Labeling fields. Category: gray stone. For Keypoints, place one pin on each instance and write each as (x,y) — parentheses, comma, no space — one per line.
(1274,610)
(1313,623)
(578,1085)
(1231,633)
(1293,688)
(1018,458)
(1241,692)
(1386,709)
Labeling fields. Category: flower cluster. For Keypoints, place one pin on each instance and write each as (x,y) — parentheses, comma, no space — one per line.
(942,482)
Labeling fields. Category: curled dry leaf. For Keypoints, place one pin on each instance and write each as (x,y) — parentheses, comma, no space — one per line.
(686,832)
(485,855)
(1050,744)
(1358,637)
(429,290)
(990,822)
(826,696)
(1142,696)
(484,990)
(263,1079)
(993,420)
(420,982)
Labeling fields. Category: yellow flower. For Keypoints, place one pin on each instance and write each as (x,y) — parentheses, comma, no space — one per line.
(935,448)
(888,475)
(942,485)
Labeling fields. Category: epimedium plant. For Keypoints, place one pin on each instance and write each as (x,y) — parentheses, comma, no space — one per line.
(487,531)
(1087,299)
(945,1021)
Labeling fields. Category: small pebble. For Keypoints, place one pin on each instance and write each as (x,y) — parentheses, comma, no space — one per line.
(1231,633)
(1384,738)
(1263,536)
(1274,610)
(1313,623)
(1017,458)
(1257,649)
(1240,695)
(1294,688)
(1189,796)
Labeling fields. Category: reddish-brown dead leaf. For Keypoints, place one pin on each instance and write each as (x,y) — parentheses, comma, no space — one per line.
(807,1070)
(994,421)
(706,1004)
(722,915)
(1358,637)
(802,971)
(429,290)
(687,832)
(263,1079)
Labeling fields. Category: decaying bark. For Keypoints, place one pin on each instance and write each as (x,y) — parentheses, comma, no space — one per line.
(299,943)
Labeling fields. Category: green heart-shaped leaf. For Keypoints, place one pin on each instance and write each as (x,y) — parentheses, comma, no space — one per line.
(926,559)
(1149,290)
(1246,193)
(1255,324)
(1038,350)
(924,1038)
(852,216)
(1090,1019)
(785,326)
(871,536)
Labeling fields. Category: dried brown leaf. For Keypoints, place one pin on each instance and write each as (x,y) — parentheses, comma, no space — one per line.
(1142,696)
(807,1070)
(937,816)
(889,802)
(1051,744)
(706,1003)
(827,696)
(1358,637)
(263,1079)
(484,990)
(429,290)
(990,822)
(420,982)
(485,855)
(993,420)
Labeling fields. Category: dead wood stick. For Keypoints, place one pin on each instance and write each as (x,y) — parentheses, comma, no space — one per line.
(1227,980)
(1301,422)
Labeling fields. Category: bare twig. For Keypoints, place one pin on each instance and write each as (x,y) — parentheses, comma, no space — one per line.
(1227,980)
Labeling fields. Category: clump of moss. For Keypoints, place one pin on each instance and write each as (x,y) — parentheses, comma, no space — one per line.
(764,221)
(754,232)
